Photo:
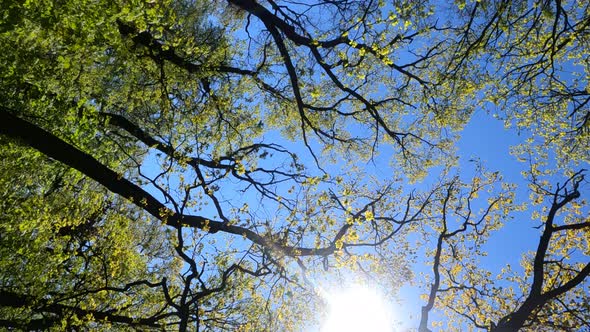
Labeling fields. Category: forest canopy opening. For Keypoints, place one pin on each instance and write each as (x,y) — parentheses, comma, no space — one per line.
(181,165)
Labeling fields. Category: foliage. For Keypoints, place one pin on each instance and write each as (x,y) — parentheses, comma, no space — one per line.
(202,165)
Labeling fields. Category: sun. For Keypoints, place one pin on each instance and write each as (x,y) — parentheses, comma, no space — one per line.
(357,308)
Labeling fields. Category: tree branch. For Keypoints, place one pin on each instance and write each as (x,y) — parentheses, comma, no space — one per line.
(56,148)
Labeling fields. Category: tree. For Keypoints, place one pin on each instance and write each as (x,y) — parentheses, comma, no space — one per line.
(195,165)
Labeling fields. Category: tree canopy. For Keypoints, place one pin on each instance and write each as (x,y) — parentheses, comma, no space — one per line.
(206,165)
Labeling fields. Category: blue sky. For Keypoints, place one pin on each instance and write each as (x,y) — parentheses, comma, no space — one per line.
(485,139)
